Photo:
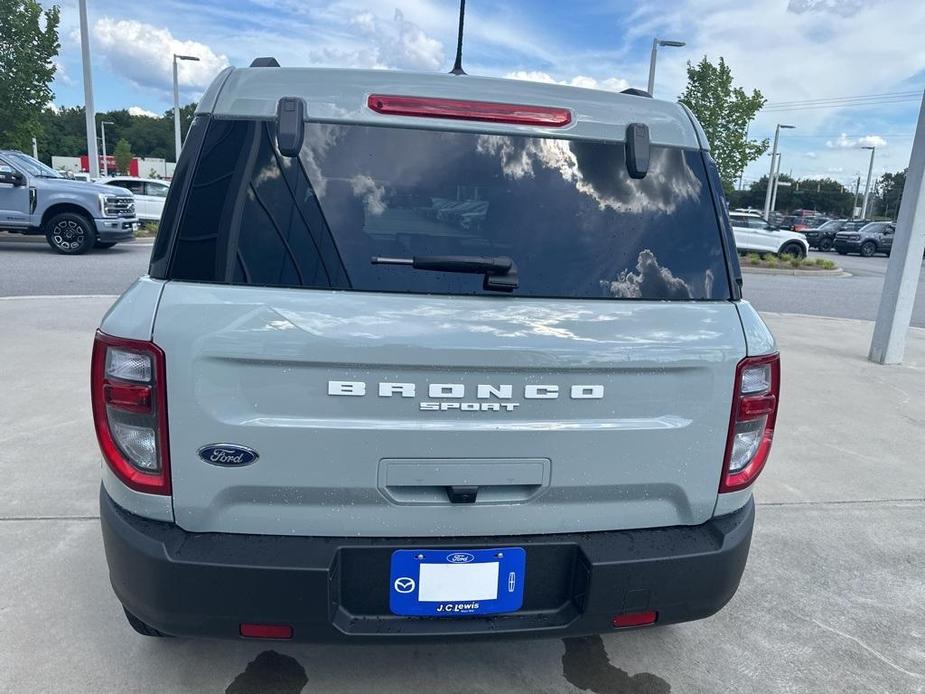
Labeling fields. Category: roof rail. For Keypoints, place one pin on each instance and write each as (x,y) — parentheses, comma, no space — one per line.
(637,92)
(265,62)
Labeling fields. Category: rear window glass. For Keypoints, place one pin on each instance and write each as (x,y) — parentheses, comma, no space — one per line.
(565,211)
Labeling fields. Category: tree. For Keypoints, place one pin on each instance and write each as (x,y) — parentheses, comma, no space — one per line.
(27,51)
(123,155)
(889,191)
(824,195)
(64,131)
(725,112)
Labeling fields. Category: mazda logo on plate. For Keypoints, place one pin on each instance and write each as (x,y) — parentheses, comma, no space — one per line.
(404,585)
(459,558)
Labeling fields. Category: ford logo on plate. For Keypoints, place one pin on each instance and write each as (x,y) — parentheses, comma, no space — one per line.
(227,454)
(459,558)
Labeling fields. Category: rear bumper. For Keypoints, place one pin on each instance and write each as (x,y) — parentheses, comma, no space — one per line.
(110,229)
(335,589)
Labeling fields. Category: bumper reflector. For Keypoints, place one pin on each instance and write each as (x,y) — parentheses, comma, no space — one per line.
(266,631)
(634,619)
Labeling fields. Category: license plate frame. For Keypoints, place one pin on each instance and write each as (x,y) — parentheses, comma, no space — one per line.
(456,582)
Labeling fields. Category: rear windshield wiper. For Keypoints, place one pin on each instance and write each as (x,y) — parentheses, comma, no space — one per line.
(500,271)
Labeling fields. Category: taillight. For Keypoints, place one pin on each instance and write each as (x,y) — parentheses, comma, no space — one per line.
(488,111)
(751,426)
(129,395)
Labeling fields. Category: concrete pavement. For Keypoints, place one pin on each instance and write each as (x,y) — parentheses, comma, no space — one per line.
(832,600)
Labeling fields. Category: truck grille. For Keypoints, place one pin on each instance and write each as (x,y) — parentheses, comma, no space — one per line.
(119,207)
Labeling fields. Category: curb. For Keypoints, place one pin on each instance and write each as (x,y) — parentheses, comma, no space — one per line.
(40,238)
(838,272)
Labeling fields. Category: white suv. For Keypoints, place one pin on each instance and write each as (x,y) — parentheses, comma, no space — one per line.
(754,234)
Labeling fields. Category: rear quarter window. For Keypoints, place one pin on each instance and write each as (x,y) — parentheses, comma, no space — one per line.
(565,211)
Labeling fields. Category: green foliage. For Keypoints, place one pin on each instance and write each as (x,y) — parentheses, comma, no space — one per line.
(123,155)
(889,192)
(825,195)
(725,112)
(774,262)
(28,45)
(65,132)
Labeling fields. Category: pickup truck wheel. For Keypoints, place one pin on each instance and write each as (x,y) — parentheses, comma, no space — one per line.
(793,249)
(69,233)
(868,248)
(104,244)
(141,627)
(826,244)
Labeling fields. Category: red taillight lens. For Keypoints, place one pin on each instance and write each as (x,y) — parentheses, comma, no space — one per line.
(266,631)
(634,619)
(751,426)
(129,396)
(490,112)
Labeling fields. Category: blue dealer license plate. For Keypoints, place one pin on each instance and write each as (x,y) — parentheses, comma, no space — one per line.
(457,583)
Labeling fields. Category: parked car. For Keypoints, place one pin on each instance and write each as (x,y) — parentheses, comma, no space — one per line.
(150,194)
(753,234)
(870,239)
(73,215)
(412,370)
(823,237)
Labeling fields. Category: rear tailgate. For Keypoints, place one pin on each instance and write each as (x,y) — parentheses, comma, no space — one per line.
(592,415)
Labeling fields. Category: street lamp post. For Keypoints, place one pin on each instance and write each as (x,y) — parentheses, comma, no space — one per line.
(776,184)
(176,102)
(870,171)
(655,46)
(103,125)
(772,174)
(93,161)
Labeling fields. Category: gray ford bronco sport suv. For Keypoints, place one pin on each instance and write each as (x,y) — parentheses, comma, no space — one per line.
(74,216)
(425,355)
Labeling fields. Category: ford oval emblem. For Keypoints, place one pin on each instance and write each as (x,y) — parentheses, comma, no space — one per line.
(459,558)
(227,454)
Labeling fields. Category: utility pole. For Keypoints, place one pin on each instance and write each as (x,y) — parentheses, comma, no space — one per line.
(655,45)
(854,200)
(93,159)
(771,174)
(905,264)
(870,171)
(103,125)
(35,148)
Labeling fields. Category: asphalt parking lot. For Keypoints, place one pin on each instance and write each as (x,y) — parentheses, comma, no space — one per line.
(30,268)
(832,599)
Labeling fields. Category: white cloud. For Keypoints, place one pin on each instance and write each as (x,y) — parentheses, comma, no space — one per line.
(139,111)
(143,53)
(845,142)
(397,44)
(61,73)
(615,84)
(810,155)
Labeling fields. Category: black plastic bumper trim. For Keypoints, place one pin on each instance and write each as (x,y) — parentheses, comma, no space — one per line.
(335,589)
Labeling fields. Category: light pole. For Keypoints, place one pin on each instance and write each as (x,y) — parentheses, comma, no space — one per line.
(776,184)
(103,125)
(870,171)
(176,103)
(93,161)
(655,46)
(772,174)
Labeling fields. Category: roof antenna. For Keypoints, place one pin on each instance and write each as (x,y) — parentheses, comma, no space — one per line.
(457,66)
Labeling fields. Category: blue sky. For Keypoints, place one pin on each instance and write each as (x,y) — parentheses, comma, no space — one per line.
(792,50)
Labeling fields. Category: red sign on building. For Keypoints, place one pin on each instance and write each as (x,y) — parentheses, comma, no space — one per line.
(110,167)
